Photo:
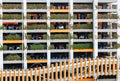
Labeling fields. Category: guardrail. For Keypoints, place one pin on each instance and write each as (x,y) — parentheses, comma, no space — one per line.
(67,70)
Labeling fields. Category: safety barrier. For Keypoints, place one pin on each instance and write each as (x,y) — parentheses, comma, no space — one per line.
(65,71)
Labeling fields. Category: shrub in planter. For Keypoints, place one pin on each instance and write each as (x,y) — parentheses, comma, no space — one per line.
(28,57)
(59,36)
(82,46)
(28,37)
(52,46)
(22,47)
(75,36)
(37,47)
(13,57)
(45,36)
(115,36)
(5,47)
(90,36)
(12,37)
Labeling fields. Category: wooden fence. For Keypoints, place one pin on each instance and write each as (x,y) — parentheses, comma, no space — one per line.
(65,71)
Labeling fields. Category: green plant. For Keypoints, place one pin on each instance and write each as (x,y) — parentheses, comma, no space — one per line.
(82,46)
(45,36)
(36,6)
(52,46)
(82,26)
(1,27)
(28,57)
(59,36)
(37,26)
(75,36)
(22,47)
(13,57)
(28,37)
(59,16)
(115,36)
(37,47)
(5,47)
(13,37)
(108,16)
(12,16)
(90,36)
(12,6)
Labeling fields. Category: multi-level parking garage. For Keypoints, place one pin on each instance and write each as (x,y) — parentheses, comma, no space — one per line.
(41,32)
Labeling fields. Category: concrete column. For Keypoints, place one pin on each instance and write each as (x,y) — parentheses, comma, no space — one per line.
(1,39)
(118,32)
(118,28)
(95,28)
(24,33)
(71,29)
(48,33)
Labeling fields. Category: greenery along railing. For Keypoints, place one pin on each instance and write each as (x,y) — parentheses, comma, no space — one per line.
(66,46)
(60,36)
(37,26)
(12,16)
(36,6)
(83,6)
(108,16)
(13,37)
(59,16)
(5,47)
(82,46)
(38,47)
(12,6)
(12,57)
(83,26)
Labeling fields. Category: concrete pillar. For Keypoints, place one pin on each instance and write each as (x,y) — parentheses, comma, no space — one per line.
(71,29)
(24,33)
(48,33)
(118,32)
(1,39)
(95,28)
